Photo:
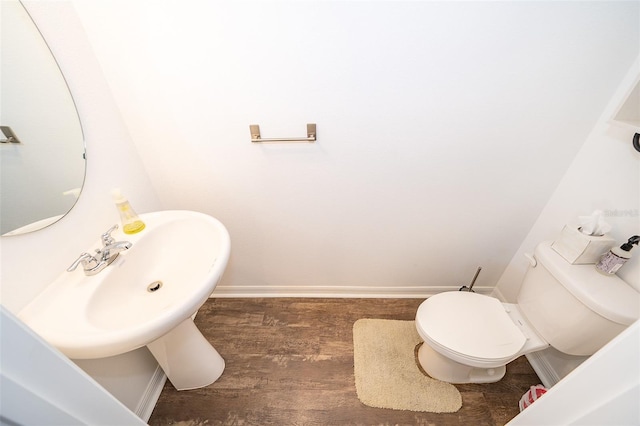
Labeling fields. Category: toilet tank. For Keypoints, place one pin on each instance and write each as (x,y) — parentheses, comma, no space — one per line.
(573,307)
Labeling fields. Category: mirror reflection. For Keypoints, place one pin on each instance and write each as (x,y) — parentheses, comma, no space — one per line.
(42,167)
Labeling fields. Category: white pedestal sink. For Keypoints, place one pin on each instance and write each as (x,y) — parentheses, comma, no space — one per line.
(147,296)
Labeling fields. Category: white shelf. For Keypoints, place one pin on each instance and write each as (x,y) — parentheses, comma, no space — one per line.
(628,115)
(627,124)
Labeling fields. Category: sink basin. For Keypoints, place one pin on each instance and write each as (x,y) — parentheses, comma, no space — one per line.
(160,278)
(150,291)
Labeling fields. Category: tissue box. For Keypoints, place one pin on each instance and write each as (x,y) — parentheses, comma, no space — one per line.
(578,248)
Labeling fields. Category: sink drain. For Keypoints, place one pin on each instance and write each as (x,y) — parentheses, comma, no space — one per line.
(154,286)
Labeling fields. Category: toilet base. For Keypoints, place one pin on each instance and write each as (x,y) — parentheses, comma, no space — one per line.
(447,370)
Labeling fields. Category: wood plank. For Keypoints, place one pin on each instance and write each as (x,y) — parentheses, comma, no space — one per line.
(289,361)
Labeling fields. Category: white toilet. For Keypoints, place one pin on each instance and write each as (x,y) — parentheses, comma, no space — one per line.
(469,338)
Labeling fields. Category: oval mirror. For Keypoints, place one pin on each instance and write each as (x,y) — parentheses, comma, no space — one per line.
(42,152)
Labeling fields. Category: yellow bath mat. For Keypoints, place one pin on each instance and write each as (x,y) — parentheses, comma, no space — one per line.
(386,372)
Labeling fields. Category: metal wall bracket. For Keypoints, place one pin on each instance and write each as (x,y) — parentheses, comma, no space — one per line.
(255,135)
(9,135)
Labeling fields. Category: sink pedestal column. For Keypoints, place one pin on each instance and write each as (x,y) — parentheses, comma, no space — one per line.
(187,358)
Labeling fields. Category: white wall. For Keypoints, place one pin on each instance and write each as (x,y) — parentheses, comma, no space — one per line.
(443,127)
(604,175)
(30,262)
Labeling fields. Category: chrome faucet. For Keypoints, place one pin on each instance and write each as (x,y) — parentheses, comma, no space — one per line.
(103,257)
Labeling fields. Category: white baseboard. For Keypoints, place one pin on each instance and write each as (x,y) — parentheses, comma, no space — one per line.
(495,292)
(151,395)
(336,291)
(545,371)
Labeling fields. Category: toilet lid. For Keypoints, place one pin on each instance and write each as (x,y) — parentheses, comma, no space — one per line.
(470,324)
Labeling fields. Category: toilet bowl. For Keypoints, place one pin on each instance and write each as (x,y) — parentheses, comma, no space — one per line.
(469,337)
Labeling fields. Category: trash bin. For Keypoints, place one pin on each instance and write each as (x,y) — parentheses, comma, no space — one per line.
(531,395)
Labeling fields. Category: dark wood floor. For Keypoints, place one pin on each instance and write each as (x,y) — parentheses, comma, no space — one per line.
(290,362)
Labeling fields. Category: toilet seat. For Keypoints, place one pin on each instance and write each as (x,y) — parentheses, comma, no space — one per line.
(469,328)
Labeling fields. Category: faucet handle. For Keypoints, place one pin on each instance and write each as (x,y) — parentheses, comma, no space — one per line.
(85,258)
(107,238)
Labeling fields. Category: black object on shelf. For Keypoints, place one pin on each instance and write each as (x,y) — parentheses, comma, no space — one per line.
(636,141)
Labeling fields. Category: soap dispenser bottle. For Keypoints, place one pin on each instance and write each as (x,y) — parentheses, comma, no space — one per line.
(613,260)
(131,223)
